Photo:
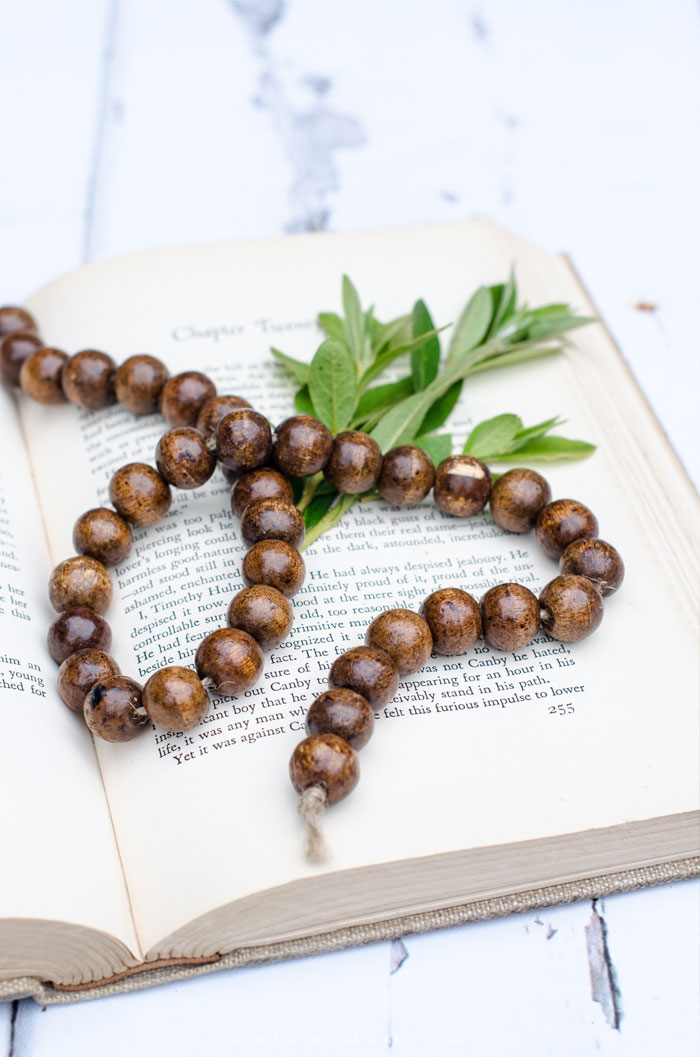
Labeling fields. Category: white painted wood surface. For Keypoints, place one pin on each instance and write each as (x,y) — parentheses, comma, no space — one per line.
(132,124)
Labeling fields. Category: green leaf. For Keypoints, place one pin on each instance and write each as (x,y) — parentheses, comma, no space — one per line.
(318,508)
(473,324)
(425,359)
(533,432)
(393,353)
(354,323)
(549,449)
(440,411)
(505,306)
(332,325)
(302,401)
(396,332)
(437,445)
(296,368)
(333,385)
(495,435)
(402,422)
(509,359)
(383,396)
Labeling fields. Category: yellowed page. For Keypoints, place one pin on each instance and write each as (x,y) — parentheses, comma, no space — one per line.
(484,749)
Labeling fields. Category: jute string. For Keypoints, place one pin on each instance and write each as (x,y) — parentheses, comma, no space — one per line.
(312,804)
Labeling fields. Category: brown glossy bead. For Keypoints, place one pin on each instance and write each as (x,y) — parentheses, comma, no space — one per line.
(262,612)
(183,396)
(355,463)
(561,522)
(517,498)
(368,671)
(14,350)
(302,446)
(214,410)
(138,383)
(510,616)
(13,318)
(328,761)
(276,564)
(140,494)
(342,712)
(175,699)
(454,619)
(407,476)
(571,608)
(81,671)
(272,519)
(88,379)
(80,581)
(404,635)
(264,483)
(102,534)
(78,629)
(183,458)
(243,440)
(596,560)
(113,709)
(462,485)
(231,658)
(40,376)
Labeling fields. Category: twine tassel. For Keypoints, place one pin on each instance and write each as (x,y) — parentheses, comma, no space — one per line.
(312,804)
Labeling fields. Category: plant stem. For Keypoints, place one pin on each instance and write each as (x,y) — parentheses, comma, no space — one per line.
(329,520)
(310,486)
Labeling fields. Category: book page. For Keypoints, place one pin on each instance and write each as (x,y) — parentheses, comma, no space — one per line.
(60,855)
(482,749)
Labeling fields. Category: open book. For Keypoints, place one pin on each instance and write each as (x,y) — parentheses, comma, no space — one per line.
(494,781)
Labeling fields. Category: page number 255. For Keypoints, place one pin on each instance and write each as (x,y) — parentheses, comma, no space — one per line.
(561,710)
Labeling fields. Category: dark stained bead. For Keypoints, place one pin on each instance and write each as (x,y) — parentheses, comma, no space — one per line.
(264,483)
(302,446)
(404,635)
(342,712)
(561,522)
(327,761)
(14,350)
(368,671)
(183,458)
(407,476)
(113,709)
(78,629)
(462,485)
(597,560)
(262,612)
(454,619)
(79,672)
(102,534)
(40,376)
(88,379)
(138,383)
(510,616)
(231,658)
(214,410)
(243,440)
(175,699)
(183,396)
(140,494)
(13,318)
(517,498)
(276,564)
(571,608)
(272,519)
(355,463)
(80,581)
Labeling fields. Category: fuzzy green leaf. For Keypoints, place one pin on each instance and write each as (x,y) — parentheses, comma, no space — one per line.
(548,449)
(494,436)
(297,368)
(437,445)
(425,359)
(354,322)
(473,324)
(318,508)
(523,436)
(333,385)
(302,401)
(440,411)
(332,325)
(382,396)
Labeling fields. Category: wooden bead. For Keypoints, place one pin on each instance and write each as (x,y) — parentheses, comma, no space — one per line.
(404,635)
(40,376)
(262,612)
(342,712)
(264,483)
(407,476)
(183,458)
(355,463)
(302,446)
(80,581)
(561,522)
(13,318)
(138,383)
(113,709)
(80,671)
(214,410)
(571,608)
(368,671)
(14,350)
(328,761)
(183,396)
(462,485)
(454,619)
(276,564)
(517,498)
(140,494)
(231,658)
(88,379)
(510,616)
(78,629)
(596,560)
(243,440)
(102,534)
(272,519)
(175,699)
